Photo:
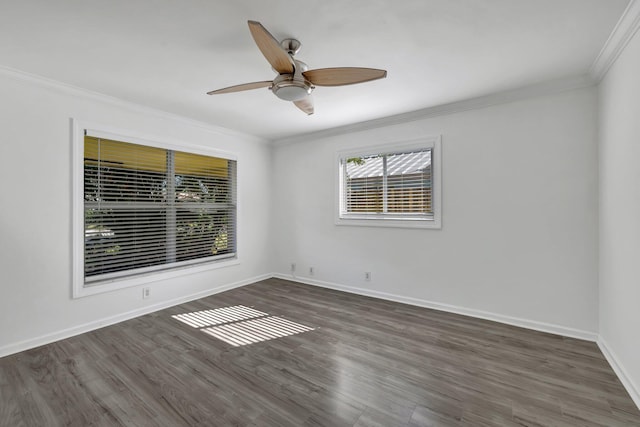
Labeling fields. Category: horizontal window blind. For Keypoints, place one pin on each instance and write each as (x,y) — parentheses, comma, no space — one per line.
(387,185)
(148,209)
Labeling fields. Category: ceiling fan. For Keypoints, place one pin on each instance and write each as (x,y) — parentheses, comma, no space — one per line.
(295,81)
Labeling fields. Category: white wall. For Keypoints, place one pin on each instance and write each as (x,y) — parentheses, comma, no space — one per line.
(518,243)
(519,237)
(619,127)
(35,218)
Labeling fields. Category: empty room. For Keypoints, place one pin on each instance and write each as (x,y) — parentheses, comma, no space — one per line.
(320,213)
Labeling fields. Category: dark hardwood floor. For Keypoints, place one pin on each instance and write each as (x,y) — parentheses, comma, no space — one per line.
(365,362)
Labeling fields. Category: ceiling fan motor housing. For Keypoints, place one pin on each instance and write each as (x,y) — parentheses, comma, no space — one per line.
(293,87)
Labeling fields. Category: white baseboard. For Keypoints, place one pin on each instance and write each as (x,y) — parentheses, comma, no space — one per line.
(618,368)
(515,321)
(613,360)
(97,324)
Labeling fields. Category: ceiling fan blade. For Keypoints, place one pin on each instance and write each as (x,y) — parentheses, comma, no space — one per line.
(280,60)
(239,88)
(305,104)
(341,76)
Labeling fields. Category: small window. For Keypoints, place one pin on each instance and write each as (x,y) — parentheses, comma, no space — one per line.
(395,185)
(148,209)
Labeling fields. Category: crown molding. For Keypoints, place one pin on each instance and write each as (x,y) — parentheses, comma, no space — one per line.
(540,89)
(69,89)
(625,29)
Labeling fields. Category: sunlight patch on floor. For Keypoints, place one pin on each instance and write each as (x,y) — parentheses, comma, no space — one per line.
(240,325)
(218,316)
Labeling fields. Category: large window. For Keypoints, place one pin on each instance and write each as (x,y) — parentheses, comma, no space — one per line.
(394,185)
(147,209)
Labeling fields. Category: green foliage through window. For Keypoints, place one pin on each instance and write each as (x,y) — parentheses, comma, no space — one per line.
(147,207)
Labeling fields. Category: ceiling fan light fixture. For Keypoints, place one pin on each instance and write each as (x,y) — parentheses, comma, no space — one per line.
(291,93)
(290,89)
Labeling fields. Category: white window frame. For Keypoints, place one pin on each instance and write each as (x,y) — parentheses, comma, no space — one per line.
(79,287)
(431,142)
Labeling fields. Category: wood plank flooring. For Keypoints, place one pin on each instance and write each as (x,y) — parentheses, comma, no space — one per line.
(367,362)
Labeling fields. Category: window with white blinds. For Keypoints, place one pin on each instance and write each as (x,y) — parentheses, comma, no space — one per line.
(148,209)
(392,184)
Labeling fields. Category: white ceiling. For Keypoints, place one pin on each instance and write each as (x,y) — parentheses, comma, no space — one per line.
(166,54)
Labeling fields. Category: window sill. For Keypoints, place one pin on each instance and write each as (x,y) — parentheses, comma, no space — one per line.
(81,290)
(390,223)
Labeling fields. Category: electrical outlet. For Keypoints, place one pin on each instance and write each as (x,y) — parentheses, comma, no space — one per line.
(293,267)
(311,271)
(146,292)
(367,276)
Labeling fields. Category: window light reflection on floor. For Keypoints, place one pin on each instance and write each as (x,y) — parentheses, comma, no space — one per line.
(240,325)
(218,316)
